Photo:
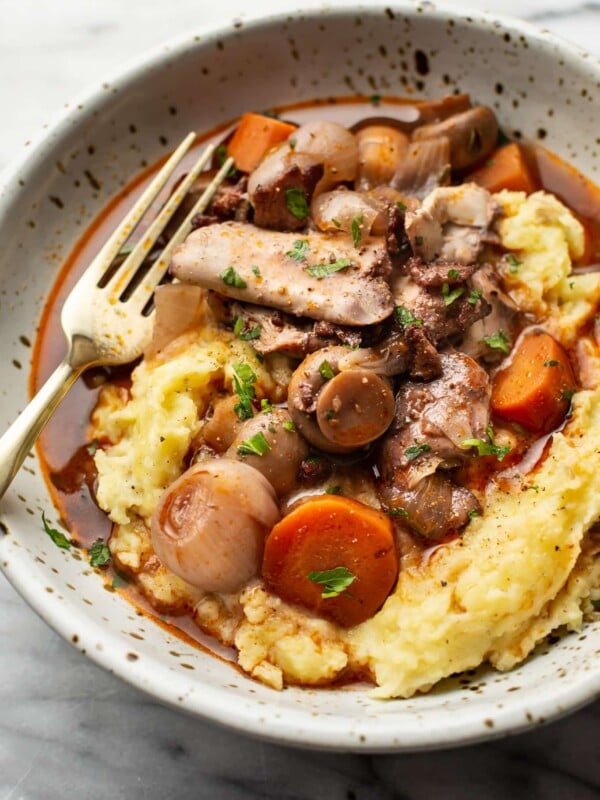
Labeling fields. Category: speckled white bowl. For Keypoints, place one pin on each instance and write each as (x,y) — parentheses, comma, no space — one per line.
(538,85)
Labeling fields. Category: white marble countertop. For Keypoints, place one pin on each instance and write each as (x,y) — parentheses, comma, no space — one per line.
(67,728)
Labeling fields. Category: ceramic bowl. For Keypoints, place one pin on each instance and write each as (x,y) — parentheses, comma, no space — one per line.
(539,86)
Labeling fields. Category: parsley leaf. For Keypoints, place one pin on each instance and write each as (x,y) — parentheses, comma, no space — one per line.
(99,553)
(475,296)
(299,250)
(256,445)
(513,263)
(418,241)
(450,295)
(375,99)
(488,448)
(334,581)
(415,451)
(453,274)
(336,489)
(596,605)
(222,156)
(59,539)
(326,371)
(568,395)
(397,512)
(231,278)
(401,206)
(295,200)
(320,271)
(336,222)
(243,380)
(265,406)
(256,271)
(289,426)
(406,318)
(292,143)
(473,513)
(246,336)
(498,341)
(551,363)
(355,230)
(93,447)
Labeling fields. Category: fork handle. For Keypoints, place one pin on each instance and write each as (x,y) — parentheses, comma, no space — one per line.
(21,435)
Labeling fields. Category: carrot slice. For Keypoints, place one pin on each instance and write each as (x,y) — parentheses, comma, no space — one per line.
(254,136)
(536,387)
(506,169)
(332,533)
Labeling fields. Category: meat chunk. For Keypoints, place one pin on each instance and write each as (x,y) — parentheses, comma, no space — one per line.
(442,316)
(332,280)
(436,418)
(437,273)
(424,358)
(280,173)
(452,223)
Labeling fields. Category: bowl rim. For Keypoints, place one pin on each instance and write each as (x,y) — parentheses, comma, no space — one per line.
(216,705)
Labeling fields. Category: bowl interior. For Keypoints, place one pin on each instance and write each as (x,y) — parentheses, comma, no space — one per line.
(539,89)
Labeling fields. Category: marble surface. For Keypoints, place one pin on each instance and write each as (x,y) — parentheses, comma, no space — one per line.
(69,728)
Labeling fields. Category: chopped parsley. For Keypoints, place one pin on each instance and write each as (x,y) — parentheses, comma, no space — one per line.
(450,295)
(498,341)
(326,371)
(552,363)
(59,539)
(415,451)
(418,241)
(246,336)
(489,448)
(406,318)
(320,271)
(289,426)
(299,250)
(295,200)
(265,406)
(401,206)
(513,264)
(475,295)
(334,581)
(397,512)
(292,143)
(329,414)
(337,489)
(99,553)
(336,222)
(256,271)
(453,274)
(355,230)
(231,278)
(473,513)
(568,395)
(256,445)
(222,156)
(119,581)
(375,99)
(93,447)
(243,380)
(596,605)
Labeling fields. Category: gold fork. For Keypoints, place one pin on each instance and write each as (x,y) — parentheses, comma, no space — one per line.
(104,316)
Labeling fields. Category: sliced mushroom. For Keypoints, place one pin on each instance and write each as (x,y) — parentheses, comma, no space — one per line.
(210,525)
(425,167)
(286,448)
(330,280)
(221,428)
(472,135)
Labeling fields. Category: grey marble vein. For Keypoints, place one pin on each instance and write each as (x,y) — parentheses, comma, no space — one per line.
(69,729)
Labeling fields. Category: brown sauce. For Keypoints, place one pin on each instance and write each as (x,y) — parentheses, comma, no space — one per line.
(64,447)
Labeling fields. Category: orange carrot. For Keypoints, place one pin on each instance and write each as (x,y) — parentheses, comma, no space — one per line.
(329,536)
(535,389)
(505,169)
(254,136)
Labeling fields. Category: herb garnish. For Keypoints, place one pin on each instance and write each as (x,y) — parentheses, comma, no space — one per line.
(320,271)
(336,222)
(295,200)
(222,157)
(453,274)
(401,206)
(498,341)
(289,426)
(406,318)
(243,380)
(450,295)
(231,278)
(326,371)
(475,295)
(336,489)
(355,230)
(397,512)
(334,581)
(256,271)
(514,263)
(487,448)
(59,539)
(299,250)
(568,395)
(415,451)
(418,241)
(375,99)
(265,406)
(93,447)
(99,553)
(552,363)
(473,513)
(596,605)
(246,336)
(292,143)
(256,445)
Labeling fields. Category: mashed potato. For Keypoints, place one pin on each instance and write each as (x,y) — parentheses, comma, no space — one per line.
(525,568)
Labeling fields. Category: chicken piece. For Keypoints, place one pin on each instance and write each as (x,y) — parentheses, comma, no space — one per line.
(452,223)
(330,280)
